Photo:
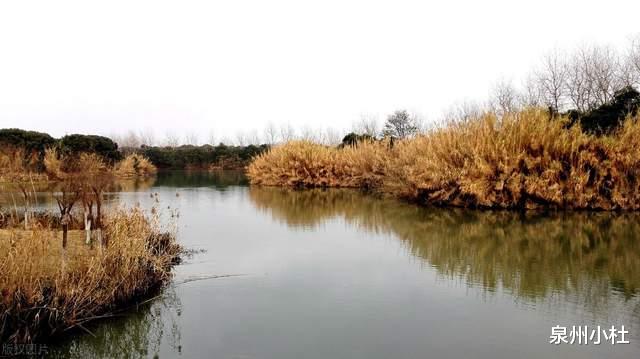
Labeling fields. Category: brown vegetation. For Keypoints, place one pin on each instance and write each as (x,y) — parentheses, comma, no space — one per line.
(135,165)
(521,160)
(47,289)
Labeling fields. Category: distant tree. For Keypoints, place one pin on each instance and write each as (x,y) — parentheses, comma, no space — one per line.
(609,116)
(552,80)
(72,145)
(367,125)
(352,139)
(504,97)
(400,125)
(270,134)
(32,144)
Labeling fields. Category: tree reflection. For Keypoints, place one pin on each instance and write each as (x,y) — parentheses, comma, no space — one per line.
(590,256)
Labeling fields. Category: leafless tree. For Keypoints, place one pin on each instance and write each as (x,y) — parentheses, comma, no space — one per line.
(602,71)
(212,138)
(147,137)
(69,194)
(531,94)
(171,139)
(331,137)
(463,111)
(579,85)
(287,133)
(253,138)
(504,97)
(552,79)
(367,125)
(191,138)
(241,138)
(308,134)
(270,134)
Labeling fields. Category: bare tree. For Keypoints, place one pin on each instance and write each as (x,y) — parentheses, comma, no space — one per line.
(332,137)
(270,133)
(531,94)
(552,79)
(367,125)
(579,85)
(212,138)
(634,53)
(191,138)
(241,139)
(602,71)
(463,111)
(147,136)
(308,134)
(69,194)
(287,133)
(171,139)
(504,97)
(130,140)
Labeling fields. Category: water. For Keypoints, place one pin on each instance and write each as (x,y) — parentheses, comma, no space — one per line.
(341,274)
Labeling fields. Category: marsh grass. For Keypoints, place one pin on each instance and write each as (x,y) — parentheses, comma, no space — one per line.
(46,290)
(522,160)
(133,166)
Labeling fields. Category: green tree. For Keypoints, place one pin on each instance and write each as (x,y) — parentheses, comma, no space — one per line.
(400,125)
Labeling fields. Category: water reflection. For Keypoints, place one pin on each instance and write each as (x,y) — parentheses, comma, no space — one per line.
(534,256)
(139,333)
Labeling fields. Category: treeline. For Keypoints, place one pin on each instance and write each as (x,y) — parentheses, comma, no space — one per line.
(205,157)
(34,144)
(25,151)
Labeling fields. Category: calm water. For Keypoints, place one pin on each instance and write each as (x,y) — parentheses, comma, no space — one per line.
(340,274)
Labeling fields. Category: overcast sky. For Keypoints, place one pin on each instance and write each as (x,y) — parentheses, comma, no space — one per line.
(228,66)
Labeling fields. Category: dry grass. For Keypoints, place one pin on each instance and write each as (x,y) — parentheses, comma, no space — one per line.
(523,160)
(134,165)
(46,290)
(305,164)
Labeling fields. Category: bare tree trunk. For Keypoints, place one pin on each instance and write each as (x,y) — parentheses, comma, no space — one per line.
(65,229)
(87,227)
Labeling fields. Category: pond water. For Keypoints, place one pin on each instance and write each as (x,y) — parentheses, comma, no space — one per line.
(342,274)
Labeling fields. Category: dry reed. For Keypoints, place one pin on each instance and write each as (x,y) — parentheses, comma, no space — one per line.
(522,160)
(46,290)
(134,165)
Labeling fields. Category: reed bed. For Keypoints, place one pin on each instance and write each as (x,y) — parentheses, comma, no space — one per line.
(306,164)
(523,160)
(46,290)
(133,166)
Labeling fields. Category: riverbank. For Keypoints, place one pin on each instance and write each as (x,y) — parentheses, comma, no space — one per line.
(524,160)
(47,290)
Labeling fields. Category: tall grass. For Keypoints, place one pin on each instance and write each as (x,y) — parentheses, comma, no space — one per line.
(45,290)
(134,165)
(306,164)
(521,160)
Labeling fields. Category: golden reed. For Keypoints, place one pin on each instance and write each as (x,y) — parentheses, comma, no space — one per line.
(523,160)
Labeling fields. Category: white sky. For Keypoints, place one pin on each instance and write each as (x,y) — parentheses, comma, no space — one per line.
(229,66)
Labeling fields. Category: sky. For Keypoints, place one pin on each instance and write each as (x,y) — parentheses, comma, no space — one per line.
(224,67)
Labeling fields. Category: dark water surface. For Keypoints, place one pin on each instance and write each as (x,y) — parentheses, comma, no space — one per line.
(340,274)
